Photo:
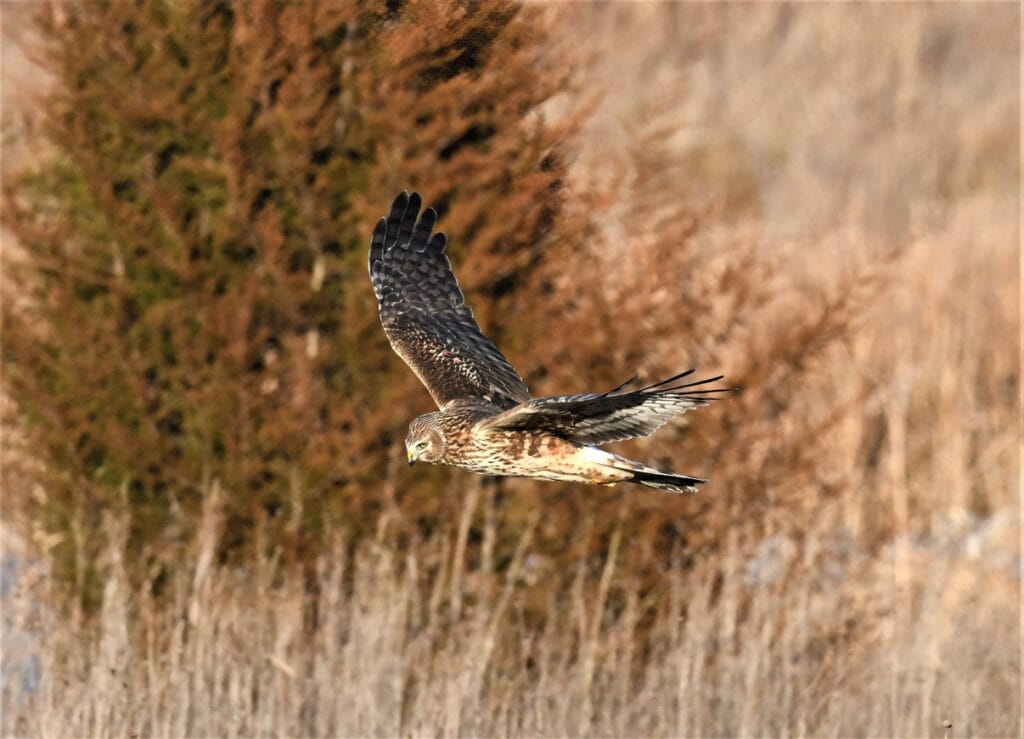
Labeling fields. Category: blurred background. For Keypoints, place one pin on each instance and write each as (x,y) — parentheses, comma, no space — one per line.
(208,526)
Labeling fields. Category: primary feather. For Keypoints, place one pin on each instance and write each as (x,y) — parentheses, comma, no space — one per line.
(425,316)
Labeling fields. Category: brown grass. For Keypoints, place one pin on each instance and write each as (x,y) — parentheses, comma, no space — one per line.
(815,639)
(858,158)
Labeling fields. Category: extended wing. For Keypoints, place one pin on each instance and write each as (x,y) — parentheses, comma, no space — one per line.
(618,414)
(424,314)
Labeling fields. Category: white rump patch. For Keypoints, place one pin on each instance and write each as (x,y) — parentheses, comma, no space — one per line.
(598,456)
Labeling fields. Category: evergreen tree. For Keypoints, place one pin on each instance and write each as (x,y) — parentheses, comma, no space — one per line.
(192,299)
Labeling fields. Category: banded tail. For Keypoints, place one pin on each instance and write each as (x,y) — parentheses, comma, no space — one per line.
(643,474)
(666,481)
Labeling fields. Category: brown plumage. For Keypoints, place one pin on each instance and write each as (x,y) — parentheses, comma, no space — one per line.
(487,422)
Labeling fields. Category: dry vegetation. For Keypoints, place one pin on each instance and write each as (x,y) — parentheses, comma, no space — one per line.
(819,639)
(821,202)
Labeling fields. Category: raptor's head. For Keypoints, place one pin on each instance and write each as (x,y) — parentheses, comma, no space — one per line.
(425,440)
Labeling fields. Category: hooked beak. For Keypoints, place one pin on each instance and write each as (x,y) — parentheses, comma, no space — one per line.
(410,457)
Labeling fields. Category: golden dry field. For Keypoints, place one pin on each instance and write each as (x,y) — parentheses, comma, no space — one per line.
(822,202)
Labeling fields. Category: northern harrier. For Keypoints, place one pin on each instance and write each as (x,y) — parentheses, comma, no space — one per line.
(487,421)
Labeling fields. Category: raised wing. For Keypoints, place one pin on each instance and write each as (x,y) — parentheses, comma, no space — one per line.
(425,316)
(618,414)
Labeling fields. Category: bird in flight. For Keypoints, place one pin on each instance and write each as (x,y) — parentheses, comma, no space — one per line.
(486,420)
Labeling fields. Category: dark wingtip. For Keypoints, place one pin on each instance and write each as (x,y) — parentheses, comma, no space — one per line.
(428,219)
(398,207)
(380,232)
(685,388)
(628,383)
(438,242)
(669,380)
